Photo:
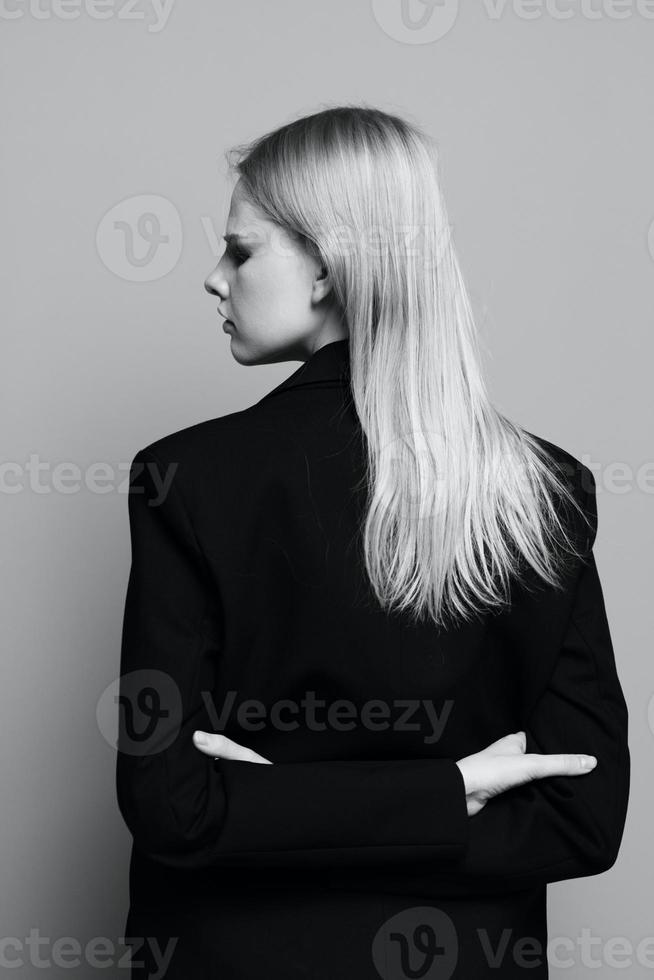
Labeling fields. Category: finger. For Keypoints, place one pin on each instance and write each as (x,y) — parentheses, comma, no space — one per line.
(220,747)
(533,765)
(559,764)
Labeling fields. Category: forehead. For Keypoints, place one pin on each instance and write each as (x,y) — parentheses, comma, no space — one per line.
(245,218)
(249,225)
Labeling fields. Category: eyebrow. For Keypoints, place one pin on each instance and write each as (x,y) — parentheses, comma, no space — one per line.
(234,237)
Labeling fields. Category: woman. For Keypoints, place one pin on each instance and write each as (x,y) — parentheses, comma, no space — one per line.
(375,598)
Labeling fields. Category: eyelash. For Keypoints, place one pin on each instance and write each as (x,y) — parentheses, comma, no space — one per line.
(238,254)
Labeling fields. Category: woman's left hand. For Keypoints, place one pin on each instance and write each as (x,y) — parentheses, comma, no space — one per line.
(221,747)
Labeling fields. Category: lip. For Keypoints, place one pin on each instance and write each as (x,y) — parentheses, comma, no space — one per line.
(226,324)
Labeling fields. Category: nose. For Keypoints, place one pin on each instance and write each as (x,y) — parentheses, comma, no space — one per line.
(216,284)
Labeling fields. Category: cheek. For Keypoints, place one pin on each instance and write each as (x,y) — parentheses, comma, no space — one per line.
(289,281)
(246,284)
(253,298)
(258,283)
(275,287)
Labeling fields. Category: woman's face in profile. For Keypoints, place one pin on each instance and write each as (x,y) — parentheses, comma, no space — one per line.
(268,286)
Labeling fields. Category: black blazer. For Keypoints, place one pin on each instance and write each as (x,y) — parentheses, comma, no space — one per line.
(353,854)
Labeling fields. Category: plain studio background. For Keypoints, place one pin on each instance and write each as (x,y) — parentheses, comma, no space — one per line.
(545,122)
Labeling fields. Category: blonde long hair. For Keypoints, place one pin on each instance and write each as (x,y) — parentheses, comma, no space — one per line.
(458,496)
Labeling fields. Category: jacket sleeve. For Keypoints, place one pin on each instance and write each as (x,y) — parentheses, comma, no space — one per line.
(558,827)
(187,811)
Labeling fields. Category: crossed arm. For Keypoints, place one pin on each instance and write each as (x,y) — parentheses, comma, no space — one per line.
(385,817)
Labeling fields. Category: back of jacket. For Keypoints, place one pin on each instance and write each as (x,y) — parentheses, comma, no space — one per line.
(249,612)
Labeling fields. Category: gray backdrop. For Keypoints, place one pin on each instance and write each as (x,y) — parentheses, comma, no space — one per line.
(115,117)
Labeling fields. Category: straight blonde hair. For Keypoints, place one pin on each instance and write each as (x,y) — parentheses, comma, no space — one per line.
(460,499)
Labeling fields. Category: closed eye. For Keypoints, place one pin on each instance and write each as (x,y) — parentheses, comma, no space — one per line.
(239,255)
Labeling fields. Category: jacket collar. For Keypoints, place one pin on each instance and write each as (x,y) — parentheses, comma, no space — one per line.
(329,364)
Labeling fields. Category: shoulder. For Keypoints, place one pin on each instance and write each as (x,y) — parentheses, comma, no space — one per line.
(576,474)
(214,462)
(580,481)
(197,443)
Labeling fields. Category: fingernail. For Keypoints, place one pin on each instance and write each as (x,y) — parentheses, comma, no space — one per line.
(590,761)
(200,738)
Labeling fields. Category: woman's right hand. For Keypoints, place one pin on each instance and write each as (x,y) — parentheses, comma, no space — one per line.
(505,764)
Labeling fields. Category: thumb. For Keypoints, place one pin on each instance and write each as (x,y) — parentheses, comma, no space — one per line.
(513,744)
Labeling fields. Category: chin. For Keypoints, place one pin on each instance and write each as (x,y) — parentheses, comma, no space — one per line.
(241,352)
(238,352)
